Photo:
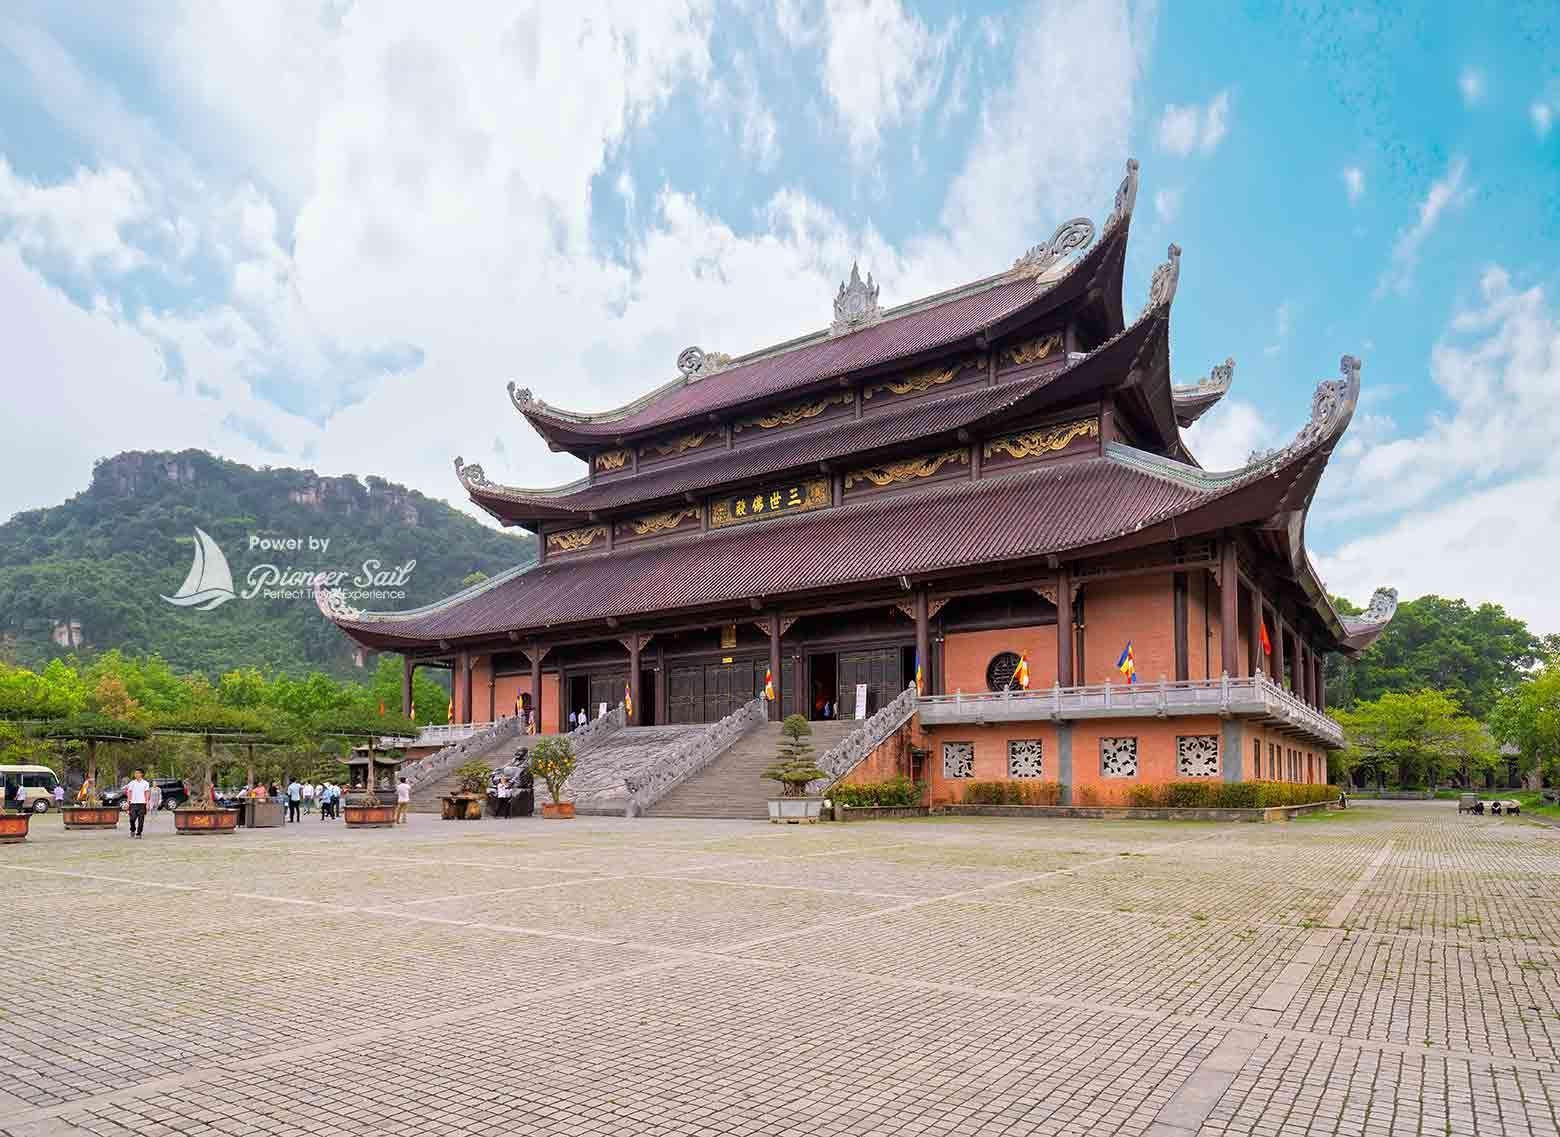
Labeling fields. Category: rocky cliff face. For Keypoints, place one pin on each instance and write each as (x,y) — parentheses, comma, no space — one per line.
(138,472)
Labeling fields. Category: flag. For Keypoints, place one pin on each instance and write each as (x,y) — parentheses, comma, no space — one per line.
(918,687)
(628,702)
(1267,644)
(769,684)
(1126,664)
(449,715)
(381,706)
(517,706)
(413,714)
(1021,673)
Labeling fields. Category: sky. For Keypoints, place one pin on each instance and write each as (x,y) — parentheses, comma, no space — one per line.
(327,234)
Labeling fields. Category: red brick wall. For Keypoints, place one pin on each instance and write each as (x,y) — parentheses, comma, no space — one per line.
(1156,751)
(1140,609)
(1288,747)
(889,759)
(966,654)
(990,755)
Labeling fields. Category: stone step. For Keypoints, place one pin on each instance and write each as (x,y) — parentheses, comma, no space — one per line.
(733,786)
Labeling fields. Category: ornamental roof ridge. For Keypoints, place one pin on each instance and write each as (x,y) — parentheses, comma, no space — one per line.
(336,610)
(1218,379)
(473,477)
(1383,606)
(1047,279)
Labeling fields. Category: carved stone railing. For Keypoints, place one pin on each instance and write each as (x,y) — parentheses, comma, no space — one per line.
(651,785)
(441,762)
(1255,695)
(442,734)
(845,755)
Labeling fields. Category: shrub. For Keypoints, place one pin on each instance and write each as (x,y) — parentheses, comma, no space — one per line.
(1086,795)
(1222,795)
(895,791)
(795,767)
(1012,792)
(474,776)
(553,761)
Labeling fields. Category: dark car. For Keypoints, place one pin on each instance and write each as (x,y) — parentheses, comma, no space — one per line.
(173,793)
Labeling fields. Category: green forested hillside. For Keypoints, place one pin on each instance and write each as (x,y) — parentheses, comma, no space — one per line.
(102,561)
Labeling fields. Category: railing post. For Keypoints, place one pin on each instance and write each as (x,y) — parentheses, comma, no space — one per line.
(1224,691)
(1107,690)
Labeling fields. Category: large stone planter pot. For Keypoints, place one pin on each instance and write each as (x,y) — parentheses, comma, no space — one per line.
(795,810)
(368,816)
(461,807)
(90,816)
(203,820)
(557,810)
(13,827)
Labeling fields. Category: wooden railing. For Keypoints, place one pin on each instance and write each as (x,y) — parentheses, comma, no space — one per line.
(1249,695)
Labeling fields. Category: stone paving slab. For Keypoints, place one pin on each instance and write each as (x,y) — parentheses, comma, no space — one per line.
(1388,970)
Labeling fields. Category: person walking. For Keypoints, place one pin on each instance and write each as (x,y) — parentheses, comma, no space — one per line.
(294,800)
(154,799)
(403,799)
(138,793)
(308,797)
(59,794)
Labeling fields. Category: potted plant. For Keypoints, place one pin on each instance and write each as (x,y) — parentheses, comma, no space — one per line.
(88,810)
(13,825)
(553,761)
(794,769)
(201,813)
(466,803)
(368,811)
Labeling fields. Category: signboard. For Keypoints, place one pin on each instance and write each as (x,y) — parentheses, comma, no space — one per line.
(794,497)
(728,636)
(861,700)
(601,713)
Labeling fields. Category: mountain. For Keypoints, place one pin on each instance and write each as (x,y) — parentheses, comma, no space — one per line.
(97,572)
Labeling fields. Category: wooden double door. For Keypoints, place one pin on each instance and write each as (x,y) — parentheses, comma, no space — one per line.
(881,669)
(708,692)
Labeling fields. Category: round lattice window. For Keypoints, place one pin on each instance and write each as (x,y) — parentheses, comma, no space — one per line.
(999,672)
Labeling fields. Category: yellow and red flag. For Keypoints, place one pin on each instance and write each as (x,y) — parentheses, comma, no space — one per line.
(769,684)
(381,706)
(1127,665)
(628,702)
(1021,673)
(1267,644)
(449,715)
(919,689)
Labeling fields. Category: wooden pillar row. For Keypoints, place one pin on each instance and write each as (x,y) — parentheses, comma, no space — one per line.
(1259,661)
(776,703)
(633,676)
(923,642)
(1229,609)
(1064,627)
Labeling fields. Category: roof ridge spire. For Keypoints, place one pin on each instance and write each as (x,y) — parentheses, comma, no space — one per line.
(856,304)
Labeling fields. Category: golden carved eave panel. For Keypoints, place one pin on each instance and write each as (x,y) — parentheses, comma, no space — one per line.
(609,460)
(662,522)
(891,473)
(1043,440)
(795,413)
(572,540)
(1032,350)
(916,383)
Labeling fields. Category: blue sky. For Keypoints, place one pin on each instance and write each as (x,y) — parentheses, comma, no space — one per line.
(328,233)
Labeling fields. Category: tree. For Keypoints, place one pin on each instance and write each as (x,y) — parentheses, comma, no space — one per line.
(795,767)
(1473,654)
(1529,719)
(1418,736)
(553,761)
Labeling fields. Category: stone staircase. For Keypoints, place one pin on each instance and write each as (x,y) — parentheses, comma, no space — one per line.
(425,798)
(597,785)
(733,784)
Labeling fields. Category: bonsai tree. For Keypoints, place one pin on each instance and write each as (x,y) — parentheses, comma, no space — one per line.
(362,723)
(473,776)
(794,767)
(92,729)
(209,723)
(553,761)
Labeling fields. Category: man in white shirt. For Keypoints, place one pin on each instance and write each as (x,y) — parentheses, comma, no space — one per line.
(403,798)
(294,799)
(138,793)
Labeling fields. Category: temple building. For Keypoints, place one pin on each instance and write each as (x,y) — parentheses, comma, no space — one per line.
(985,491)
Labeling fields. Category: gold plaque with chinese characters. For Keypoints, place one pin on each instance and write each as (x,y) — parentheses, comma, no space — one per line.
(755,505)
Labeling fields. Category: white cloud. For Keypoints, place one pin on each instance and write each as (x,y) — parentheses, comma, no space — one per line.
(1446,192)
(881,67)
(1225,437)
(82,219)
(1183,129)
(1167,203)
(1354,183)
(1543,116)
(434,213)
(1471,84)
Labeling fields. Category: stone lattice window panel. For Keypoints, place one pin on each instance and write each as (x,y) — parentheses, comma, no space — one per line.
(958,759)
(1118,757)
(1197,756)
(999,672)
(1025,758)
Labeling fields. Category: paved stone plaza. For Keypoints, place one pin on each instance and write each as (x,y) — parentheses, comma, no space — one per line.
(1395,969)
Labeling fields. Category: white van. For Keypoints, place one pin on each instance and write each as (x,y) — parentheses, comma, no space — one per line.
(38,784)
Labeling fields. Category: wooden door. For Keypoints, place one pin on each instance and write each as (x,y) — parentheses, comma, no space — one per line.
(788,704)
(685,694)
(606,688)
(882,672)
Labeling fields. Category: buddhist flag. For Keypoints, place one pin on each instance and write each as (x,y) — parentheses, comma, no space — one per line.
(517,706)
(449,715)
(1021,673)
(918,687)
(1267,644)
(1126,664)
(381,707)
(413,714)
(628,702)
(769,684)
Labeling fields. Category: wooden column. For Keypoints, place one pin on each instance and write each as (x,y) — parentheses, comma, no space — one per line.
(923,642)
(408,669)
(1303,670)
(774,665)
(1321,682)
(1064,627)
(1182,647)
(1258,657)
(463,698)
(492,692)
(1278,648)
(536,652)
(1229,609)
(633,674)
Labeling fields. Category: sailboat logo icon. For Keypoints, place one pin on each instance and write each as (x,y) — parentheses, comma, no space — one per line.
(210,581)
